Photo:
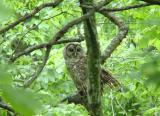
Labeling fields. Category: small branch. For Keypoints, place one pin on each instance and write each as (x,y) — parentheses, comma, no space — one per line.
(28,50)
(123,30)
(112,107)
(38,72)
(126,8)
(7,107)
(28,16)
(40,46)
(127,58)
(121,106)
(119,9)
(41,21)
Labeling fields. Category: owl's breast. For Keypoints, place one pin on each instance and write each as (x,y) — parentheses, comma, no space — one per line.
(77,71)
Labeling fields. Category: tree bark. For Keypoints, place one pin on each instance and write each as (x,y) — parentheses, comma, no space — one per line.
(93,61)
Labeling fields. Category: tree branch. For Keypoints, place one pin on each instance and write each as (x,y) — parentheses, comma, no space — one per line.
(40,46)
(40,68)
(41,21)
(123,30)
(119,9)
(93,61)
(126,8)
(28,50)
(7,107)
(28,16)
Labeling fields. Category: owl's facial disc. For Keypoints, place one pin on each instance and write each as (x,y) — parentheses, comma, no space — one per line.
(74,50)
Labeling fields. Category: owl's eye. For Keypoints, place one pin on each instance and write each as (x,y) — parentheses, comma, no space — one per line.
(71,49)
(78,49)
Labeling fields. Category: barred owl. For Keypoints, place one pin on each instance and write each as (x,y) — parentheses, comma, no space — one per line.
(76,63)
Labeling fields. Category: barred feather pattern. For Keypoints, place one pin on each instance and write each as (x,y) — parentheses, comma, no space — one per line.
(108,79)
(77,68)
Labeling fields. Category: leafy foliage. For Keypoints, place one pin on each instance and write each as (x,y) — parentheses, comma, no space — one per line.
(135,63)
(23,101)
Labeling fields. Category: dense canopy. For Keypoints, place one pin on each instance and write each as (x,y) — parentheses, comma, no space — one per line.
(120,36)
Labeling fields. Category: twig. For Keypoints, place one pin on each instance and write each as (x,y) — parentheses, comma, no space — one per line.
(30,15)
(42,22)
(125,58)
(121,106)
(111,98)
(2,42)
(40,68)
(123,30)
(126,8)
(119,9)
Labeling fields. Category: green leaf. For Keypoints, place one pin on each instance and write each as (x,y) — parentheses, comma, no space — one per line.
(21,100)
(5,12)
(152,111)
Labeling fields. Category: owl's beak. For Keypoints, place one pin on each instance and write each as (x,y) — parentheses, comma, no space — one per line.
(75,53)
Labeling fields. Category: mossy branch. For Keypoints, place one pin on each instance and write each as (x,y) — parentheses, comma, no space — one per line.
(93,61)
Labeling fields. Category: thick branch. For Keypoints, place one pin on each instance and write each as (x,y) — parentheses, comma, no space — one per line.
(28,50)
(28,16)
(7,107)
(38,72)
(93,61)
(123,30)
(40,46)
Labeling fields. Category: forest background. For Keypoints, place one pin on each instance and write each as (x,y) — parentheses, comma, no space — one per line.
(33,76)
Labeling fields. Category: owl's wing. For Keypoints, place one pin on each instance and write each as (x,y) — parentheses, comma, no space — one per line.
(108,79)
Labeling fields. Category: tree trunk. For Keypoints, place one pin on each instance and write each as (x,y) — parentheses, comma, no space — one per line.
(93,60)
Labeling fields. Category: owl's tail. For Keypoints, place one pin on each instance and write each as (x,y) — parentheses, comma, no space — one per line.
(108,79)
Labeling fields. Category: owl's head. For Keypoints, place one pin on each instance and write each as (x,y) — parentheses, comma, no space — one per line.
(73,50)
